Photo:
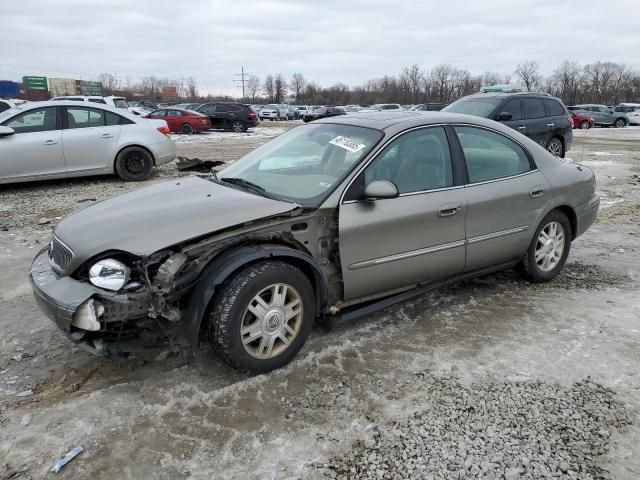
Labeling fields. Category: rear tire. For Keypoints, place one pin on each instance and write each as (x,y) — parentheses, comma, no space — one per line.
(237,127)
(262,316)
(549,248)
(620,123)
(186,129)
(555,147)
(134,164)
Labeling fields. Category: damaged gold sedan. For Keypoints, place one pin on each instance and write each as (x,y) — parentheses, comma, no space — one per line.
(327,222)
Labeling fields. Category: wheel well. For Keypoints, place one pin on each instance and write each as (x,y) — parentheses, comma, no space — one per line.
(621,118)
(573,219)
(129,146)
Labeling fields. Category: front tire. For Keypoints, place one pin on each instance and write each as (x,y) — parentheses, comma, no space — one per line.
(549,248)
(555,147)
(134,164)
(261,318)
(186,129)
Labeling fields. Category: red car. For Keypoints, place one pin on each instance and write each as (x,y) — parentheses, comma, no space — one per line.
(581,119)
(180,120)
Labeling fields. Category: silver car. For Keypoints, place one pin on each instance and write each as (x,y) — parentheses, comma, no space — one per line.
(60,139)
(604,116)
(329,221)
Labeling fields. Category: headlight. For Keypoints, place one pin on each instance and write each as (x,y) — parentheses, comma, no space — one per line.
(109,274)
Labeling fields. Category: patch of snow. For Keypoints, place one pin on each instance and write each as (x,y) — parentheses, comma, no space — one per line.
(258,132)
(605,154)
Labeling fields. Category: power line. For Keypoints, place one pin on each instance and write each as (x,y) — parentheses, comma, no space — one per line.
(241,79)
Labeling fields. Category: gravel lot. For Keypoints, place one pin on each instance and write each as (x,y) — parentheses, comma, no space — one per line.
(494,378)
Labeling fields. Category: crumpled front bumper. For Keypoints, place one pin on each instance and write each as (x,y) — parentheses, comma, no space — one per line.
(60,297)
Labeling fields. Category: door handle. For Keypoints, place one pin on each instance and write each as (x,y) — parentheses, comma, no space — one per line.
(448,210)
(551,124)
(49,142)
(106,135)
(522,127)
(536,192)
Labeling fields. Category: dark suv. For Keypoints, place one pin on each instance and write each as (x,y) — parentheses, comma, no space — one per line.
(539,116)
(229,116)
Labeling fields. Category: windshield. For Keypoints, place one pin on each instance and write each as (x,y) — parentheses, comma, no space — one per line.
(305,163)
(480,107)
(120,103)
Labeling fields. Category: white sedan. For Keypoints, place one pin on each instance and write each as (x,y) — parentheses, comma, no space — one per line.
(43,140)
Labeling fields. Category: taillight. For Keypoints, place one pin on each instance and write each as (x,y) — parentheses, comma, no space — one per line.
(251,115)
(164,130)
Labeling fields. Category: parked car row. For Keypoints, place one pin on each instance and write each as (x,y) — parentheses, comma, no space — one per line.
(604,116)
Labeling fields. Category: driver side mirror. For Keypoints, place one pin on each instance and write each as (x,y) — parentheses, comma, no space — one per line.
(503,116)
(6,131)
(380,189)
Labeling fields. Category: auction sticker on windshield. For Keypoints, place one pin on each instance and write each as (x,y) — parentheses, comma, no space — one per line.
(347,144)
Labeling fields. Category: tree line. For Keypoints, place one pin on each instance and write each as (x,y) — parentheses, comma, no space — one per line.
(599,82)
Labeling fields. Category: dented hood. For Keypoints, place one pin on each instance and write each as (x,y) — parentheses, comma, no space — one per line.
(156,217)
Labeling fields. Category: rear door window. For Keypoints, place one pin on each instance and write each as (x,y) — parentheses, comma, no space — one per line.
(533,108)
(490,156)
(79,117)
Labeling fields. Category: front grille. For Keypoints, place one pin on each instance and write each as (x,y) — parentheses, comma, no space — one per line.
(60,255)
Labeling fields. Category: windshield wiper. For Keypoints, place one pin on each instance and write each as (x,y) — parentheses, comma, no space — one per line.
(247,185)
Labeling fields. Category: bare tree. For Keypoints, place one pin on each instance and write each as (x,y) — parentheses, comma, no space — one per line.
(269,88)
(411,81)
(565,81)
(253,87)
(298,84)
(279,88)
(109,82)
(192,88)
(494,78)
(528,72)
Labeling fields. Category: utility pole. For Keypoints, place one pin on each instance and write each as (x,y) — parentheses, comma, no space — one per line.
(241,79)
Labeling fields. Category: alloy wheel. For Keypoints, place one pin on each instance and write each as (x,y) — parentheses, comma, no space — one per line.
(550,246)
(271,321)
(555,147)
(237,127)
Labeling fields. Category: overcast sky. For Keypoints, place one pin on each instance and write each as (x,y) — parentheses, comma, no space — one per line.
(328,41)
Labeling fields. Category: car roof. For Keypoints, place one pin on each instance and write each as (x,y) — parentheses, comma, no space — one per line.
(394,119)
(509,94)
(180,109)
(70,103)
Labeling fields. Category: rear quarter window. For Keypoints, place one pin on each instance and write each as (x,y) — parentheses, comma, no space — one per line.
(554,107)
(533,108)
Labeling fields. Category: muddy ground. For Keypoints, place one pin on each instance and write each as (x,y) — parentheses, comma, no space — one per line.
(493,378)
